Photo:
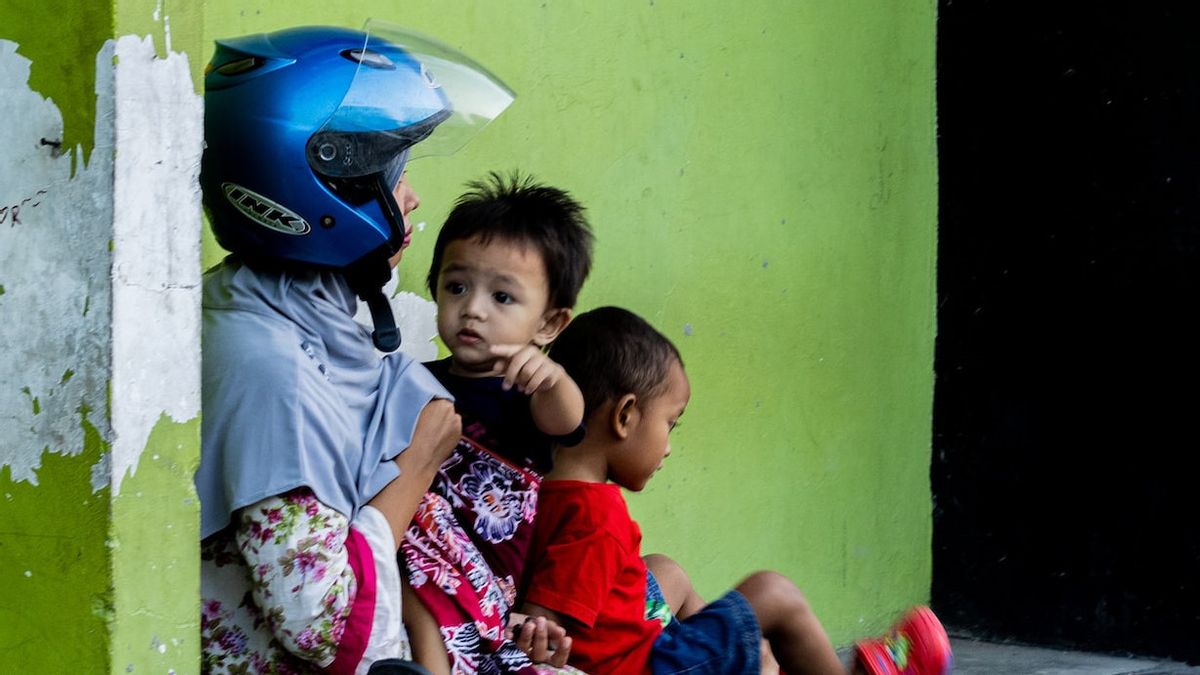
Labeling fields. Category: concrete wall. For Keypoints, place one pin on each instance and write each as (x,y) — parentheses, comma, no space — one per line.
(761,177)
(99,400)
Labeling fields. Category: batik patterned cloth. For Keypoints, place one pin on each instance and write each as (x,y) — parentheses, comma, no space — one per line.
(465,552)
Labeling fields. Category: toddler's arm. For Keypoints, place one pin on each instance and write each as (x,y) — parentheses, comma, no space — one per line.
(554,399)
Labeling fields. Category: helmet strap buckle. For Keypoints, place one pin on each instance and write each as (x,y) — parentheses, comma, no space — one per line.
(366,278)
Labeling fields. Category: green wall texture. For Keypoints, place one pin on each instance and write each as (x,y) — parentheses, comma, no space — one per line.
(53,558)
(155,518)
(762,181)
(62,37)
(53,563)
(97,582)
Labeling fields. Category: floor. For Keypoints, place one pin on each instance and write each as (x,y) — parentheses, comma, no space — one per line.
(972,657)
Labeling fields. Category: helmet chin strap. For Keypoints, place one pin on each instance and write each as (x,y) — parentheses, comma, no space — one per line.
(369,274)
(367,278)
(386,335)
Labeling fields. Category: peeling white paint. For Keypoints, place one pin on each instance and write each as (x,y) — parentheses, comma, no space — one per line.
(54,314)
(158,15)
(101,471)
(101,270)
(156,248)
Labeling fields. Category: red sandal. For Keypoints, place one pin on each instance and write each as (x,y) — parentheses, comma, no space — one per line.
(916,645)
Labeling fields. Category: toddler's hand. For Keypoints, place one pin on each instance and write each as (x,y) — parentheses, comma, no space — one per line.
(542,639)
(527,368)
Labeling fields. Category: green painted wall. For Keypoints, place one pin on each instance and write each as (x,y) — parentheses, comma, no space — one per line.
(97,582)
(155,518)
(156,566)
(62,37)
(762,180)
(53,554)
(53,565)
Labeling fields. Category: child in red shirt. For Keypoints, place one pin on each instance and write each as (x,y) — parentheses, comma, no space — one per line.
(586,571)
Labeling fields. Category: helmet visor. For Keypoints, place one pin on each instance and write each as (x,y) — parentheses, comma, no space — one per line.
(409,93)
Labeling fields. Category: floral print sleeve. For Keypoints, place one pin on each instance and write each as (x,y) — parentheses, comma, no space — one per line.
(290,585)
(300,572)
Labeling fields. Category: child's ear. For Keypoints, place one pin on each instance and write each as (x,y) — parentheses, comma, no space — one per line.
(553,323)
(624,415)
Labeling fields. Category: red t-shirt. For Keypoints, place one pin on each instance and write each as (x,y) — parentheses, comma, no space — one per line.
(585,563)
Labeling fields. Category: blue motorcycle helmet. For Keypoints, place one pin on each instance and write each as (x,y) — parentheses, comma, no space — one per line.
(307,134)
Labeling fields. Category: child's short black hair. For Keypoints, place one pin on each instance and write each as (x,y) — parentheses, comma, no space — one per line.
(519,210)
(610,352)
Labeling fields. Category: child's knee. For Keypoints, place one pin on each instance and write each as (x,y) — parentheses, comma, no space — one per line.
(674,584)
(772,582)
(772,589)
(661,565)
(670,575)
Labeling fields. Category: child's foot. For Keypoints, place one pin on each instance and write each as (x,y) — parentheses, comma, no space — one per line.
(916,645)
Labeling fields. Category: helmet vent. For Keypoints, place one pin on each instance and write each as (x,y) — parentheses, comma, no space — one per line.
(240,66)
(369,58)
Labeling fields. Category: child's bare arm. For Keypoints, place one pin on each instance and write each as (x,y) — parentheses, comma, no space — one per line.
(555,400)
(423,633)
(558,411)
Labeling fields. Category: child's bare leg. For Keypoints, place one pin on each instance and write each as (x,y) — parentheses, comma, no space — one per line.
(787,621)
(684,601)
(675,585)
(428,648)
(766,658)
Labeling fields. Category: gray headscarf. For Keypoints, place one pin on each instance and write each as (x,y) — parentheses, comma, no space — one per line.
(294,394)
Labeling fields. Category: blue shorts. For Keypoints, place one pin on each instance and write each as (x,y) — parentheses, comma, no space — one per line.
(722,639)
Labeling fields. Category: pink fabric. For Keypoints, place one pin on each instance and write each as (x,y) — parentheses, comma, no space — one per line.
(465,553)
(353,644)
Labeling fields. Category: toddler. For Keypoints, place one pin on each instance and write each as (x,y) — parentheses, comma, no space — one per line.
(506,270)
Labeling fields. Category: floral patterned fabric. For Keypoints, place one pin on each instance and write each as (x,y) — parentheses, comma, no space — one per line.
(465,552)
(281,586)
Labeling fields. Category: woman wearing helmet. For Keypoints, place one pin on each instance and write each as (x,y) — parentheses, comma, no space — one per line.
(315,451)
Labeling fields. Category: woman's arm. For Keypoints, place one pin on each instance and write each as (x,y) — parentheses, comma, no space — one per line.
(305,572)
(437,432)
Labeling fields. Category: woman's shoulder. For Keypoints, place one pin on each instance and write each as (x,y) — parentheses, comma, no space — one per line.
(242,345)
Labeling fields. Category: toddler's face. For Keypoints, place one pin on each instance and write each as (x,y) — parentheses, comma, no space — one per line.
(493,294)
(636,460)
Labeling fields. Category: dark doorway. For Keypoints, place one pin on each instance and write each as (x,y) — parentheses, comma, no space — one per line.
(1068,358)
